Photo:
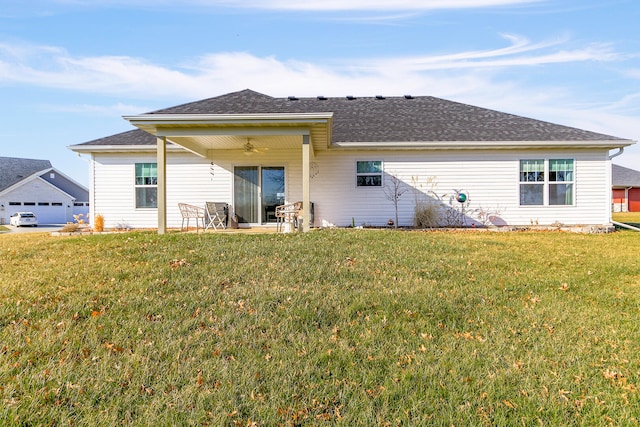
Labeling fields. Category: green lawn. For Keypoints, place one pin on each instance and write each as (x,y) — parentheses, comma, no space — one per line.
(632,218)
(340,327)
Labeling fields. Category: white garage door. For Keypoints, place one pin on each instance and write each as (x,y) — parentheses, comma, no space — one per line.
(49,214)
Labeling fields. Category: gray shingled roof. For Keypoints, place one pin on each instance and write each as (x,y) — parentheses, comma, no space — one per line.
(421,118)
(14,170)
(625,177)
(132,137)
(380,119)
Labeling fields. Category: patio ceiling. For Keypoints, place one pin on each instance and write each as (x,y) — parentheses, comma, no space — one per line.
(201,133)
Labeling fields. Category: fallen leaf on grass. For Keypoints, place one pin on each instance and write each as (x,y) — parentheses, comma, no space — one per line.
(508,404)
(176,263)
(114,348)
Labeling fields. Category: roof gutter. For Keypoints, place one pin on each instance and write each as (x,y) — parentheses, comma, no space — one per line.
(151,122)
(469,145)
(87,149)
(620,151)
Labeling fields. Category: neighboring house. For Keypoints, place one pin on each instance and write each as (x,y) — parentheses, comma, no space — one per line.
(626,189)
(35,186)
(254,151)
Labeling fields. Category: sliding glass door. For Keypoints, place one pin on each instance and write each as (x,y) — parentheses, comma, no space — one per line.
(257,192)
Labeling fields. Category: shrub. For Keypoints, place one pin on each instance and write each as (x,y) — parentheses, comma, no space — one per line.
(98,223)
(70,227)
(426,215)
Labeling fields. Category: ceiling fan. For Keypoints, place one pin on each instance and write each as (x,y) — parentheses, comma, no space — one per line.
(249,148)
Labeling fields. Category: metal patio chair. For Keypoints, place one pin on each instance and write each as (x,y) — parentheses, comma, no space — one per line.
(216,215)
(287,214)
(190,211)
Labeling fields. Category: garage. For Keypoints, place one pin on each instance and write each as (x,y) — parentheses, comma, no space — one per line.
(619,200)
(50,213)
(46,212)
(634,200)
(32,185)
(626,189)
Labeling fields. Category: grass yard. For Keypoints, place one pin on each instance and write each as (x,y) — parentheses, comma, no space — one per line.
(632,218)
(334,327)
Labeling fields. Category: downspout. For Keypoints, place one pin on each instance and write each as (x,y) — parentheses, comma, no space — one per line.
(627,226)
(626,198)
(620,151)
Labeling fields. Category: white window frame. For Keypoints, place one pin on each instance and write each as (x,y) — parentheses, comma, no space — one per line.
(137,186)
(546,182)
(370,174)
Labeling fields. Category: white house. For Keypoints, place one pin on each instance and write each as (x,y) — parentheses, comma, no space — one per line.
(35,186)
(345,155)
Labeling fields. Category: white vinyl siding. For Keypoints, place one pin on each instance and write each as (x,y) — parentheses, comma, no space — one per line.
(489,178)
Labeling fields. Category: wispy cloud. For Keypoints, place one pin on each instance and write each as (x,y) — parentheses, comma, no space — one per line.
(54,67)
(118,109)
(521,52)
(476,77)
(313,5)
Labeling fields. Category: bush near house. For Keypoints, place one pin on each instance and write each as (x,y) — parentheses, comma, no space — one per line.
(349,327)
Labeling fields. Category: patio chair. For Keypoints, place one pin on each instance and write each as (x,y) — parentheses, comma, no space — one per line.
(287,214)
(216,215)
(190,211)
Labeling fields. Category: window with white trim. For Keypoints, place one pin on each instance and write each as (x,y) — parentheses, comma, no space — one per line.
(146,185)
(561,180)
(369,173)
(547,182)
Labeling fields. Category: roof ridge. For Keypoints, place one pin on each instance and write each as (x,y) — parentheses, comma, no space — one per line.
(244,93)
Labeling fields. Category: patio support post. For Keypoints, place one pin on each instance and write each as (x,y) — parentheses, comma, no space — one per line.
(306,186)
(162,184)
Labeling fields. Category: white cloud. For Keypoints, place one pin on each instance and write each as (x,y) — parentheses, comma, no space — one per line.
(517,54)
(53,67)
(312,5)
(475,77)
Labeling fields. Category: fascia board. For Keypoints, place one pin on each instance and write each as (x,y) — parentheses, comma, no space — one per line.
(87,149)
(34,177)
(216,118)
(149,122)
(479,145)
(24,181)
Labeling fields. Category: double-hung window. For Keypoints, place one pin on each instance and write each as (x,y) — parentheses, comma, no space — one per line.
(146,185)
(561,178)
(547,182)
(531,182)
(369,173)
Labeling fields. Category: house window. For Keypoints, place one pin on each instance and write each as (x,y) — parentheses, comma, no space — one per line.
(531,182)
(561,182)
(369,173)
(551,180)
(146,185)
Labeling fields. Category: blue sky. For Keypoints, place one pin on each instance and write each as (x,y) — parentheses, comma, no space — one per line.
(70,69)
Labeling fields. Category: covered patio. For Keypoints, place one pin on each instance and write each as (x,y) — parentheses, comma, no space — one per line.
(209,135)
